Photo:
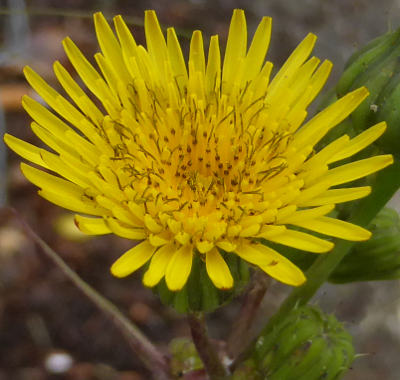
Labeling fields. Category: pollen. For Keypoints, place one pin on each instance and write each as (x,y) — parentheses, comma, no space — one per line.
(208,156)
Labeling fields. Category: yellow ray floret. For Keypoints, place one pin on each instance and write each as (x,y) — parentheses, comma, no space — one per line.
(200,157)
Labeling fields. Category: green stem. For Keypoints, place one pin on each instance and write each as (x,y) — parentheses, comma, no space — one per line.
(209,356)
(386,184)
(154,360)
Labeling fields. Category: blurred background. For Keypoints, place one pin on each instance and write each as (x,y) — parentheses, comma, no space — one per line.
(48,329)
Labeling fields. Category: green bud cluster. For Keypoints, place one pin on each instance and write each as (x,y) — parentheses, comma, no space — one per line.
(376,259)
(306,345)
(377,67)
(199,293)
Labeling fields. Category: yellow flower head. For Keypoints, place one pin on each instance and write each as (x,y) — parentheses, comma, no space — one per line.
(205,158)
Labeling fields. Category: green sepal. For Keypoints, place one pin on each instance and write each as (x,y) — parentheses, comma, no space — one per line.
(199,293)
(364,58)
(307,344)
(376,259)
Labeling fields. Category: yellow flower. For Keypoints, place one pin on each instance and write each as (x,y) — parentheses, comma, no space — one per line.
(205,158)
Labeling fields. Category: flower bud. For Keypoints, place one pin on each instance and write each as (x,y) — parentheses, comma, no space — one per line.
(377,67)
(377,258)
(199,293)
(306,345)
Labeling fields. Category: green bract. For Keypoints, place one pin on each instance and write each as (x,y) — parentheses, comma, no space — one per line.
(306,345)
(377,67)
(377,258)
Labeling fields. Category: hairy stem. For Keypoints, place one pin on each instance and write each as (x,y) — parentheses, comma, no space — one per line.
(239,335)
(213,365)
(154,360)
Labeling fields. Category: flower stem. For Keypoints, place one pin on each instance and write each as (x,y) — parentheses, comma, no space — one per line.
(387,182)
(209,356)
(154,360)
(240,331)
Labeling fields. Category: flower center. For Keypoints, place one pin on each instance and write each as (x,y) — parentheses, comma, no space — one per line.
(200,158)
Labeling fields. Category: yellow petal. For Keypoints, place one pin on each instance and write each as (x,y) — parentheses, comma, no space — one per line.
(43,116)
(357,169)
(124,231)
(182,237)
(157,240)
(158,265)
(24,149)
(110,47)
(359,142)
(92,226)
(315,85)
(292,64)
(270,230)
(52,97)
(312,132)
(50,182)
(258,48)
(128,43)
(77,94)
(335,227)
(57,165)
(176,58)
(303,241)
(155,40)
(279,267)
(333,196)
(235,46)
(308,214)
(88,74)
(213,71)
(196,54)
(272,263)
(252,230)
(218,270)
(204,246)
(179,268)
(226,246)
(151,224)
(132,259)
